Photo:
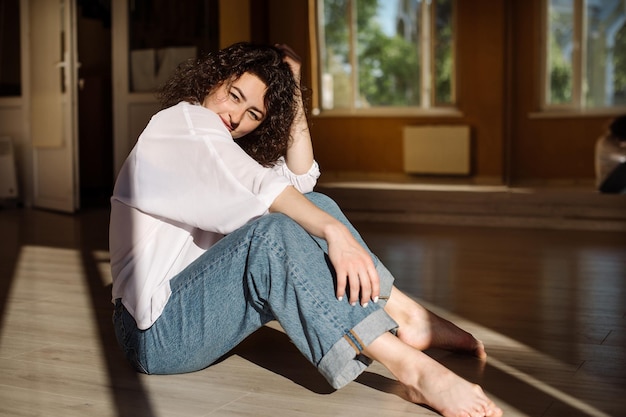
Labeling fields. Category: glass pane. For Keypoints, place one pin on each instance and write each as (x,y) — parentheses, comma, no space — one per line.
(388,52)
(605,81)
(10,68)
(560,49)
(335,55)
(619,72)
(372,53)
(444,58)
(163,33)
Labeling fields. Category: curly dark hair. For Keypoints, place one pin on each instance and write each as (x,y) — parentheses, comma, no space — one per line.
(618,127)
(194,79)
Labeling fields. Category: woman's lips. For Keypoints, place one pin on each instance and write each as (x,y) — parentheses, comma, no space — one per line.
(228,126)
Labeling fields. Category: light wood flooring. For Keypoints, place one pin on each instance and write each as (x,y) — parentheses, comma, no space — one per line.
(550,306)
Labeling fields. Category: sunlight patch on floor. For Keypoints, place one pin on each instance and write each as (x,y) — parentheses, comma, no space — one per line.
(496,342)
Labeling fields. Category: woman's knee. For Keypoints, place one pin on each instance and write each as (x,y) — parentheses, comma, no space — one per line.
(277,223)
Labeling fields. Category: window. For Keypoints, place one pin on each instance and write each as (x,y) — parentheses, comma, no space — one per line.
(585,54)
(377,54)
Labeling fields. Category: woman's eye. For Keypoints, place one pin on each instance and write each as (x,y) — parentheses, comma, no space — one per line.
(254,116)
(234,96)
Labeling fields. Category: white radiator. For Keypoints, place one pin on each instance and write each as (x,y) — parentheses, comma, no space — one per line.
(8,182)
(436,150)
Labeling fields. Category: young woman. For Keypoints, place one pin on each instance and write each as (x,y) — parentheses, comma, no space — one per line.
(215,231)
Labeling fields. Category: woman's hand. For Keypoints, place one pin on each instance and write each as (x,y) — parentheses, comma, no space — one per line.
(353,266)
(294,61)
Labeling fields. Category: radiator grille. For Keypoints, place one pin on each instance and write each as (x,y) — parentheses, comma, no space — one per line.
(436,150)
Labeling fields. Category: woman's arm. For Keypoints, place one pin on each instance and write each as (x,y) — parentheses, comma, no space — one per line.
(299,156)
(353,265)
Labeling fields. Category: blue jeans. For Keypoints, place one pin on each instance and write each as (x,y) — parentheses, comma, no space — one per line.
(269,269)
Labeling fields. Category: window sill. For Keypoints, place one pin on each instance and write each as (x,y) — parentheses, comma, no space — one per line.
(577,113)
(389,112)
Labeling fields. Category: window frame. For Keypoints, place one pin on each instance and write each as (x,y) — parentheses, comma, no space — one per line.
(579,68)
(316,32)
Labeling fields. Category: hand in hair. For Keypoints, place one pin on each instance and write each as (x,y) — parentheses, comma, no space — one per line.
(294,61)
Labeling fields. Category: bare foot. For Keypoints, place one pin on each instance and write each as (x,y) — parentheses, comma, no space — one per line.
(423,329)
(430,383)
(446,392)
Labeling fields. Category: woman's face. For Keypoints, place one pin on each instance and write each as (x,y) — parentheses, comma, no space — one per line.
(239,104)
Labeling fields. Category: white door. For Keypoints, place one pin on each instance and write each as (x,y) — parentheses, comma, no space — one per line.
(53,66)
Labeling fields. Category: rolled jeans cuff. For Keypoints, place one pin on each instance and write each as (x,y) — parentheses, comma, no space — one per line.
(344,362)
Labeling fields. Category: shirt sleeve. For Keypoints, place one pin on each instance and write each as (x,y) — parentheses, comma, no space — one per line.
(304,182)
(187,169)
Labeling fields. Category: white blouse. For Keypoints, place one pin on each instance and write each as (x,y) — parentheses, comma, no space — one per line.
(185,185)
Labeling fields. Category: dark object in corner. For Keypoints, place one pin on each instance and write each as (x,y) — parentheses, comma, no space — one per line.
(615,183)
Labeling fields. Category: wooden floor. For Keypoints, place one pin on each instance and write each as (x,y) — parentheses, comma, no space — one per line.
(550,306)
